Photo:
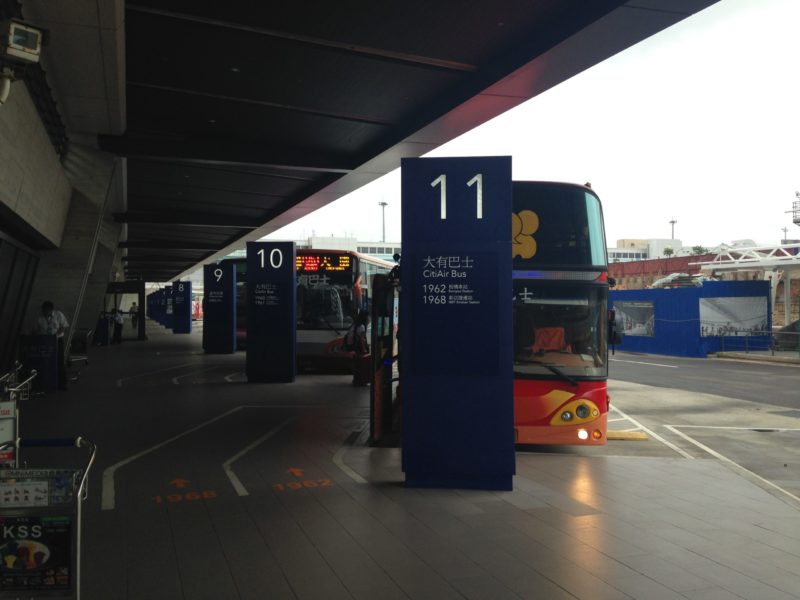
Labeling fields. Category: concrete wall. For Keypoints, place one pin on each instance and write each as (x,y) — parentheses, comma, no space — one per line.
(33,184)
(75,275)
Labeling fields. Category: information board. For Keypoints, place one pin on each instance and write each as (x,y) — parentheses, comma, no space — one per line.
(271,312)
(182,307)
(36,554)
(456,334)
(219,308)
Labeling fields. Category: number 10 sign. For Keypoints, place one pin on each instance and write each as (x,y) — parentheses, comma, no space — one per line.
(271,323)
(458,428)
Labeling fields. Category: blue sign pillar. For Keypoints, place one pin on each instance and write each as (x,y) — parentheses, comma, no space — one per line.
(219,308)
(167,307)
(155,306)
(182,307)
(456,334)
(161,307)
(271,308)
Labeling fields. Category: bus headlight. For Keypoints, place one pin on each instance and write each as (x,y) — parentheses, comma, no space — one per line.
(577,412)
(583,434)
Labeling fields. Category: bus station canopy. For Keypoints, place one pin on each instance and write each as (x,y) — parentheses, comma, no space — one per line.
(237,118)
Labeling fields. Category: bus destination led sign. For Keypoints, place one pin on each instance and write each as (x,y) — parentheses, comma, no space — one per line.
(316,263)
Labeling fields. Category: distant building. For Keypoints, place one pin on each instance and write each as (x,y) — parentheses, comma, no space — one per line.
(636,275)
(631,249)
(384,250)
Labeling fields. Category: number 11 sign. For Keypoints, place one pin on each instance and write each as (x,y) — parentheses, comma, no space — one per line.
(456,363)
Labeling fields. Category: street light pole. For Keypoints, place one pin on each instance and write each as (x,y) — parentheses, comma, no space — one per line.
(383,205)
(673,227)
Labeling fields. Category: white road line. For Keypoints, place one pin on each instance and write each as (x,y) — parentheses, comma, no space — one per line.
(737,428)
(653,434)
(727,460)
(226,466)
(229,378)
(615,420)
(119,381)
(636,362)
(108,500)
(338,460)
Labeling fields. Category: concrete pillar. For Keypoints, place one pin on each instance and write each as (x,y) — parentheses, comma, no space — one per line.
(74,276)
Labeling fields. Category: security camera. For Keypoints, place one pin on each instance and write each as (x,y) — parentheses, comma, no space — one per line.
(20,42)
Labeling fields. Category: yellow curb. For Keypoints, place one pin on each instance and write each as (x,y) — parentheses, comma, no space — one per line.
(628,436)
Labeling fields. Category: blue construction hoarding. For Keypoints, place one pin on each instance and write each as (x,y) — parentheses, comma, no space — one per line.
(694,321)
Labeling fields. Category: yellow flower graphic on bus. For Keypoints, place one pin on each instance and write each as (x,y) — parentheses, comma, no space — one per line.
(523,226)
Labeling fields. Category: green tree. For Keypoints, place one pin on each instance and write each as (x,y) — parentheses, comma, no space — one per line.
(668,251)
(698,250)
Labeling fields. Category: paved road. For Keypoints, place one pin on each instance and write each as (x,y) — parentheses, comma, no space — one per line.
(744,414)
(744,380)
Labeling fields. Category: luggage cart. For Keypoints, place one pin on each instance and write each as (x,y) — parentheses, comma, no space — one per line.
(13,392)
(40,526)
(10,378)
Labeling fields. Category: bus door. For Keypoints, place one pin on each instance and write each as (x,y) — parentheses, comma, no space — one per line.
(384,318)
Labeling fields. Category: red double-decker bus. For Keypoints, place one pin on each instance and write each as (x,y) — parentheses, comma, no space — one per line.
(560,281)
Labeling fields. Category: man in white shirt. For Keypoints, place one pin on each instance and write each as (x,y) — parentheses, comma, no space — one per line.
(53,322)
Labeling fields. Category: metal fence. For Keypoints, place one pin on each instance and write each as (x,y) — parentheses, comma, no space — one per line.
(762,341)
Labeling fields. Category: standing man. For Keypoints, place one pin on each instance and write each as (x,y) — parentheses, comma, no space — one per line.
(53,322)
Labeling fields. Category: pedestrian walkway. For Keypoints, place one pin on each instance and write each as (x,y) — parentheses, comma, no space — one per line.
(207,487)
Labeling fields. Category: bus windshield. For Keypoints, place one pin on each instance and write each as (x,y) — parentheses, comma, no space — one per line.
(325,303)
(559,330)
(557,226)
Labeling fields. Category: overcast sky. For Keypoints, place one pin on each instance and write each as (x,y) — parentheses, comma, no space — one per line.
(700,123)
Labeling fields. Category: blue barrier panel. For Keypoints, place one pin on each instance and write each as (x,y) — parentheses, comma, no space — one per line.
(694,321)
(168,307)
(456,333)
(182,307)
(271,310)
(219,308)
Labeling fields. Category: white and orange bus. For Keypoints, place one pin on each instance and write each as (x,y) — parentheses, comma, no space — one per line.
(332,287)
